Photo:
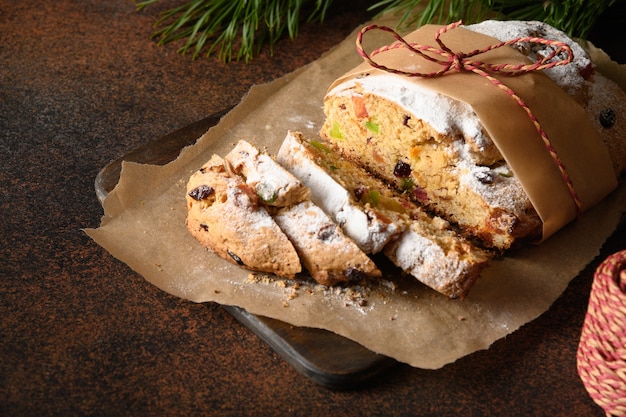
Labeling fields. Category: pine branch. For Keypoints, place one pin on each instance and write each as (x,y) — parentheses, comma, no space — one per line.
(435,11)
(237,29)
(232,29)
(574,17)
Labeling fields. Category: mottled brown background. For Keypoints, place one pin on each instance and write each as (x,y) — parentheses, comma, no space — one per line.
(81,83)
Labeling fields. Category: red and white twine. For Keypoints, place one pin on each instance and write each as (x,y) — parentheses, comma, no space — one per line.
(451,62)
(601,356)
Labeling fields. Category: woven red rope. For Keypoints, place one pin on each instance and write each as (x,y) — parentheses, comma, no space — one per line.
(458,61)
(601,356)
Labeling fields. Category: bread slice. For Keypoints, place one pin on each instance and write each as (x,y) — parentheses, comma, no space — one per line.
(225,217)
(274,185)
(424,246)
(327,254)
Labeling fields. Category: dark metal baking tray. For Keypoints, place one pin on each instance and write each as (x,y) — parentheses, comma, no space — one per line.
(324,357)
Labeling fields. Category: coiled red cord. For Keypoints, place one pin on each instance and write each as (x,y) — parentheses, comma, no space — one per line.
(601,356)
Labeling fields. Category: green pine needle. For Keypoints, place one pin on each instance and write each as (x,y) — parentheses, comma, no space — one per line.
(435,11)
(232,29)
(237,29)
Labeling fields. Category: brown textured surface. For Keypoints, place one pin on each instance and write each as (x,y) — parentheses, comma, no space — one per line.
(81,334)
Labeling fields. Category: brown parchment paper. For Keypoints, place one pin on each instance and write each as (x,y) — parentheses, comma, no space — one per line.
(143,226)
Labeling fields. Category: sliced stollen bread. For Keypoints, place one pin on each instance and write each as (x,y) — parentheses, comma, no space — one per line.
(227,197)
(424,246)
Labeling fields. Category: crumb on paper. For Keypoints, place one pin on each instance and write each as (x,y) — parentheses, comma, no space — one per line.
(363,294)
(293,293)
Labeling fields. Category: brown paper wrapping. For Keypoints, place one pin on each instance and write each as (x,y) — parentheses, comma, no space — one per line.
(566,123)
(143,226)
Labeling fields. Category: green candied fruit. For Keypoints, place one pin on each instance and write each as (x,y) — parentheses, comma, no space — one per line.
(407,184)
(266,192)
(372,197)
(372,126)
(320,146)
(335,131)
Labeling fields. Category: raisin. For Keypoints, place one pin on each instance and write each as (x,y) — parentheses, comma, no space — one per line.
(204,227)
(405,120)
(587,71)
(354,274)
(201,192)
(236,258)
(326,232)
(360,191)
(402,169)
(485,177)
(607,118)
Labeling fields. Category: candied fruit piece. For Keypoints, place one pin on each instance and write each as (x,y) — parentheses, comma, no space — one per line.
(372,197)
(335,131)
(372,126)
(319,145)
(358,105)
(420,195)
(407,184)
(266,192)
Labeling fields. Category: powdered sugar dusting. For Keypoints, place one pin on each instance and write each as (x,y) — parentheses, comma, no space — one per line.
(454,118)
(568,77)
(365,229)
(424,259)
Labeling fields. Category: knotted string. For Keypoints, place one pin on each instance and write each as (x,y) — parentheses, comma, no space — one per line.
(452,62)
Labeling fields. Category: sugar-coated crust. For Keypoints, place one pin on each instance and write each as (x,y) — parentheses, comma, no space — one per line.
(224,216)
(606,100)
(328,255)
(449,270)
(274,185)
(382,121)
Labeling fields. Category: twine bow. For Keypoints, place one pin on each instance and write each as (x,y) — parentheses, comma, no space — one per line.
(452,62)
